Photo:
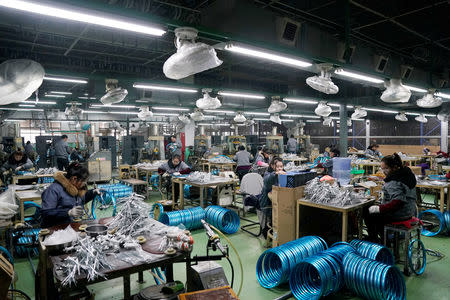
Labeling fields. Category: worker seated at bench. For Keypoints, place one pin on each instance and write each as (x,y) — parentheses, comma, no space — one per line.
(399,198)
(372,152)
(63,200)
(17,161)
(265,203)
(174,166)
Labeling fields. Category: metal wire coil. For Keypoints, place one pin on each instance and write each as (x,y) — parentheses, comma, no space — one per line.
(442,222)
(373,280)
(190,218)
(275,265)
(224,219)
(374,251)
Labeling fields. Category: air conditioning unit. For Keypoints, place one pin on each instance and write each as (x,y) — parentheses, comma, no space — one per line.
(287,31)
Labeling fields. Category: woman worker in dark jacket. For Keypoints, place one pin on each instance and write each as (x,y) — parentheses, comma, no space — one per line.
(399,197)
(265,203)
(172,167)
(63,200)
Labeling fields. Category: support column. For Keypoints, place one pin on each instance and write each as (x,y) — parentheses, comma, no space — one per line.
(343,132)
(444,136)
(189,134)
(367,133)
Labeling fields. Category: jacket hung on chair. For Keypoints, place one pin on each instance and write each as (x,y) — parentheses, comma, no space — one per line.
(399,195)
(59,198)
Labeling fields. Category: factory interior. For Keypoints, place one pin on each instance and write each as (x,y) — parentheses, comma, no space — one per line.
(224,149)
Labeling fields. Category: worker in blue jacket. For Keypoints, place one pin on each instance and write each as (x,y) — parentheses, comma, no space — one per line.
(63,200)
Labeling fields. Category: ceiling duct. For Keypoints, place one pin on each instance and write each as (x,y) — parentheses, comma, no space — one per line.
(395,92)
(401,117)
(429,100)
(114,93)
(323,83)
(191,57)
(208,102)
(421,119)
(145,114)
(276,105)
(19,78)
(359,113)
(287,31)
(240,118)
(323,109)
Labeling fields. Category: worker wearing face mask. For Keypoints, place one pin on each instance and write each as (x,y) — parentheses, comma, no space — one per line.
(63,200)
(399,197)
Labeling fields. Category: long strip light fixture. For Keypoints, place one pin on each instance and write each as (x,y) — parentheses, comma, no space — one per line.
(442,95)
(264,119)
(358,76)
(165,114)
(87,98)
(219,111)
(300,116)
(21,109)
(241,95)
(92,17)
(415,89)
(170,108)
(62,79)
(27,105)
(62,93)
(112,105)
(303,101)
(41,102)
(163,88)
(256,113)
(266,55)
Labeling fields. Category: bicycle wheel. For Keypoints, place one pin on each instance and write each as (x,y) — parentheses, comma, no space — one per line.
(417,256)
(17,295)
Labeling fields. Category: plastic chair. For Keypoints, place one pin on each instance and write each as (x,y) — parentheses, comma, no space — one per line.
(251,184)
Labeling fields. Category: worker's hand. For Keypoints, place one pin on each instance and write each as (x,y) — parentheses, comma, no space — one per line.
(18,168)
(176,174)
(166,174)
(281,172)
(374,209)
(5,173)
(76,212)
(99,191)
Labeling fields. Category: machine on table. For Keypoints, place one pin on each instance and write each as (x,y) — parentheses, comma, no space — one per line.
(304,143)
(155,149)
(252,144)
(109,143)
(131,146)
(201,144)
(233,143)
(10,144)
(99,166)
(275,143)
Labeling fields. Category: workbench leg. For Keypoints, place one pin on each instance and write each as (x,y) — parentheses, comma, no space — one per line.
(173,195)
(181,195)
(297,221)
(201,197)
(22,210)
(360,223)
(344,226)
(169,273)
(126,287)
(141,277)
(137,173)
(448,198)
(442,199)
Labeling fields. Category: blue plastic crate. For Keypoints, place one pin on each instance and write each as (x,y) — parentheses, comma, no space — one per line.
(295,179)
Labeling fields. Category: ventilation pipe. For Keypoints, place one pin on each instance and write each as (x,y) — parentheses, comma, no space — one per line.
(274,130)
(202,130)
(236,131)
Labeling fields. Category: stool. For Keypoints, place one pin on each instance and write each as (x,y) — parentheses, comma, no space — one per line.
(409,229)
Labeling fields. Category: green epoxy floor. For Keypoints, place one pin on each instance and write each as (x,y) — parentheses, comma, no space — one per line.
(434,284)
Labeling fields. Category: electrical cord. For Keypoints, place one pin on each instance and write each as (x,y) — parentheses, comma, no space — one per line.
(237,254)
(232,271)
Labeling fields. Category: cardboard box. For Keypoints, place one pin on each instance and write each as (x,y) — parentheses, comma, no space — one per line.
(284,201)
(416,170)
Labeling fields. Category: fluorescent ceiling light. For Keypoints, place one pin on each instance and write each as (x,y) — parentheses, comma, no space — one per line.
(305,101)
(74,103)
(286,120)
(381,110)
(417,114)
(414,89)
(62,121)
(142,101)
(219,111)
(213,124)
(94,112)
(241,95)
(27,105)
(123,112)
(442,95)
(92,18)
(313,121)
(170,108)
(256,113)
(21,109)
(112,105)
(264,119)
(269,56)
(62,79)
(358,76)
(165,114)
(163,88)
(299,116)
(87,98)
(41,102)
(62,93)
(53,96)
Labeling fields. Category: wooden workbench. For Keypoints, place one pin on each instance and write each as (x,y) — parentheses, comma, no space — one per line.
(344,210)
(215,183)
(367,165)
(23,196)
(441,189)
(221,166)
